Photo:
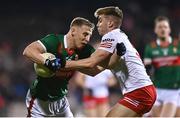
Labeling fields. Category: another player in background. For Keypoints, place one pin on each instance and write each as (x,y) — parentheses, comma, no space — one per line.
(47,96)
(178,107)
(138,91)
(164,55)
(96,92)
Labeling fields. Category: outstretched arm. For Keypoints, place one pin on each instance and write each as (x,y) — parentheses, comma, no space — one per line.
(90,65)
(95,59)
(99,60)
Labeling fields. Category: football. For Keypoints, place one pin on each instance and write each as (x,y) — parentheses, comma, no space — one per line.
(42,70)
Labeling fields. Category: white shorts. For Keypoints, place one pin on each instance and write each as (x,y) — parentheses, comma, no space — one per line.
(39,108)
(167,96)
(179,99)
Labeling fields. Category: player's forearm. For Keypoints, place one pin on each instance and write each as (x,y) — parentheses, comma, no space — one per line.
(91,63)
(80,64)
(86,66)
(113,61)
(34,56)
(93,71)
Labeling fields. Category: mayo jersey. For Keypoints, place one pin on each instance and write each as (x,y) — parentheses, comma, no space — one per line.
(54,88)
(166,63)
(99,83)
(129,70)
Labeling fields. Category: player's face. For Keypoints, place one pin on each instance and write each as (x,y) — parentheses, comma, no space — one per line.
(102,25)
(82,36)
(162,29)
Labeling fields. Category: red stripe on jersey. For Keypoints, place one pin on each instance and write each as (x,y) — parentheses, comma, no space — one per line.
(30,106)
(106,45)
(166,61)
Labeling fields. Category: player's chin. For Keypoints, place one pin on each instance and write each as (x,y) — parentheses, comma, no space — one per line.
(163,37)
(81,46)
(100,33)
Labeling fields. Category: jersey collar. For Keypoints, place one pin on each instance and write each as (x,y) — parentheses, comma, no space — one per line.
(65,41)
(117,29)
(69,51)
(158,41)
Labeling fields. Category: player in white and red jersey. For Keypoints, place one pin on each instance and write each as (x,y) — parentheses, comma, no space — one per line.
(96,94)
(138,90)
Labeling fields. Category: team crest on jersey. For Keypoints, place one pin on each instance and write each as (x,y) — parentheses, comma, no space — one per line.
(175,50)
(106,43)
(165,51)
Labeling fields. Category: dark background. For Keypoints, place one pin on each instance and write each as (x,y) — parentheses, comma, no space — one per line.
(24,21)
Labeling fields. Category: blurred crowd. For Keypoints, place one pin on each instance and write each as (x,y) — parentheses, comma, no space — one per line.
(24,22)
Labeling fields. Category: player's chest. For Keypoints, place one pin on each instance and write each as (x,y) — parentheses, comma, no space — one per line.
(168,51)
(69,54)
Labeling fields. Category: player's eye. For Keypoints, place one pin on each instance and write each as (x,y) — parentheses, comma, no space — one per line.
(85,34)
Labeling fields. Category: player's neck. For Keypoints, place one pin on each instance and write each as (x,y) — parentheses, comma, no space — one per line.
(164,39)
(112,28)
(70,42)
(164,42)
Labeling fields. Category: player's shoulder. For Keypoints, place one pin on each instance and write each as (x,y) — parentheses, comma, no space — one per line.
(176,41)
(116,33)
(51,35)
(152,44)
(54,37)
(111,33)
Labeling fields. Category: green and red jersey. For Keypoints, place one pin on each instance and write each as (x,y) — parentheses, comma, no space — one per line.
(55,88)
(166,62)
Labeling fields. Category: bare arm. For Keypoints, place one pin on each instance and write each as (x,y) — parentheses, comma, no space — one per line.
(80,79)
(92,71)
(89,65)
(113,61)
(112,81)
(96,58)
(33,51)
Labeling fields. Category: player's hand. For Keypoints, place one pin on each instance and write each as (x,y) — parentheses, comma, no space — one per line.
(121,49)
(54,64)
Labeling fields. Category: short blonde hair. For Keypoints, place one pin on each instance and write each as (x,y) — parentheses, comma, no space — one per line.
(111,10)
(79,21)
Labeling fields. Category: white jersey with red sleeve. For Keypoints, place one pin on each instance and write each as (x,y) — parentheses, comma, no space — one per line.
(130,70)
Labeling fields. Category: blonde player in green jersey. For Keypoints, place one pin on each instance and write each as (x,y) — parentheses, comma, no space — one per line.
(47,96)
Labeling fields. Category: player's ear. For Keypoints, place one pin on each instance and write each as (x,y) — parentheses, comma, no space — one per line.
(110,23)
(73,30)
